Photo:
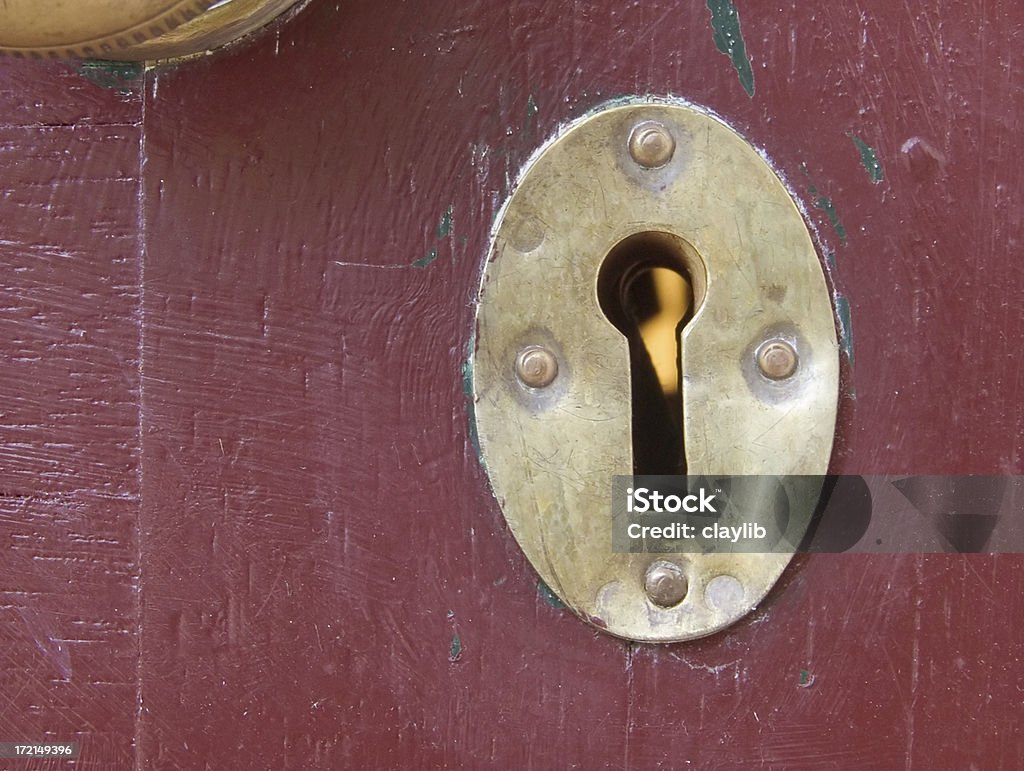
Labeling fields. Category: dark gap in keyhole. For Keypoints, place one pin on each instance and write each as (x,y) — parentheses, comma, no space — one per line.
(645,291)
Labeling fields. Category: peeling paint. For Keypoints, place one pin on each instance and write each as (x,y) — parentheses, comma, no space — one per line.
(806,679)
(725,24)
(531,109)
(443,231)
(549,596)
(123,77)
(869,158)
(423,262)
(455,651)
(529,129)
(824,203)
(846,324)
(444,227)
(467,392)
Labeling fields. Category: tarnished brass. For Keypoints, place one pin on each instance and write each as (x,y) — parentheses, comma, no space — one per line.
(551,453)
(665,583)
(651,145)
(129,30)
(777,359)
(536,367)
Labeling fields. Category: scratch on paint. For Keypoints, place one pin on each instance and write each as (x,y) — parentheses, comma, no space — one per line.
(716,669)
(846,323)
(122,77)
(725,24)
(444,230)
(455,652)
(49,644)
(549,596)
(869,158)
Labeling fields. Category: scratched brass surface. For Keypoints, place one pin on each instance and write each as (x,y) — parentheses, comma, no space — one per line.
(551,453)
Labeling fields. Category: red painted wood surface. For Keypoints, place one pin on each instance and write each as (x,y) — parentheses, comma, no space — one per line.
(69,413)
(242,519)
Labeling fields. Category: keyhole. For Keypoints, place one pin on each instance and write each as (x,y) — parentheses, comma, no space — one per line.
(646,290)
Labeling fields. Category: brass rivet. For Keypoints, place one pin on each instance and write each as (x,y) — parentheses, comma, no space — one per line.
(725,594)
(536,366)
(666,584)
(651,145)
(527,234)
(777,359)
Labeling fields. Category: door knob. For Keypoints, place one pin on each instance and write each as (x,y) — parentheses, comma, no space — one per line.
(134,30)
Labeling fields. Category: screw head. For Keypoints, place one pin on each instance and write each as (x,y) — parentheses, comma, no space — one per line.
(666,584)
(651,144)
(536,366)
(777,359)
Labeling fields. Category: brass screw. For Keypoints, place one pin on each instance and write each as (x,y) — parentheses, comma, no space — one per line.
(777,359)
(536,366)
(651,145)
(666,584)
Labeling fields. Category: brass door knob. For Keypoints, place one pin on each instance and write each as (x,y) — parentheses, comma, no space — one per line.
(128,30)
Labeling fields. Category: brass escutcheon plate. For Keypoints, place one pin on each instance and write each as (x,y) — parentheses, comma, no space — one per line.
(551,452)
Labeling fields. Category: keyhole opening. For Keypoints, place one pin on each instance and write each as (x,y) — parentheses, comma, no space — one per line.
(649,287)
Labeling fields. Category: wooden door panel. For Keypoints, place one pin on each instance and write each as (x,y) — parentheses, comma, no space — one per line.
(69,376)
(307,554)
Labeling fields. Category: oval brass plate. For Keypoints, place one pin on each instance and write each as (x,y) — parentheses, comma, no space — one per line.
(551,452)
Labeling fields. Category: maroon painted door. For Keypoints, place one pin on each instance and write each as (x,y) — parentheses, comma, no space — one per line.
(242,520)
